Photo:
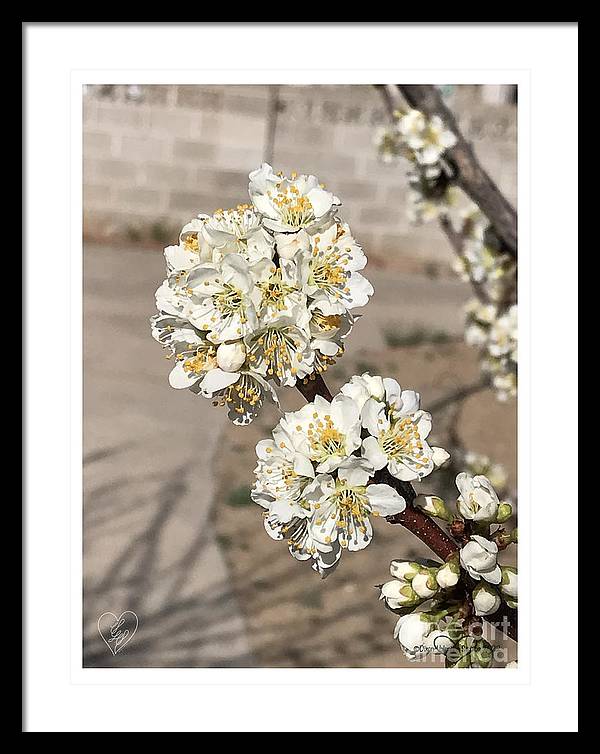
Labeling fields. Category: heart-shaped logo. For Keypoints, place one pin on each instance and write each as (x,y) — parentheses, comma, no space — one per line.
(117,632)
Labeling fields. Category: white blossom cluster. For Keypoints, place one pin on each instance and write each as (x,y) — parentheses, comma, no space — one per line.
(482,261)
(260,296)
(424,592)
(490,324)
(415,137)
(423,142)
(494,332)
(316,474)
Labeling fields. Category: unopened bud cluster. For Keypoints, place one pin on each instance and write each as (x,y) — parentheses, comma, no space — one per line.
(430,596)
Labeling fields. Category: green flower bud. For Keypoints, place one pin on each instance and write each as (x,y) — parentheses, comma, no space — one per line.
(409,594)
(424,584)
(459,656)
(504,513)
(463,661)
(433,506)
(448,575)
(509,585)
(486,599)
(398,594)
(482,654)
(404,569)
(455,630)
(470,653)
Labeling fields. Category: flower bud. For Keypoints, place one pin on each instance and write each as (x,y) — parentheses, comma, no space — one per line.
(478,558)
(509,585)
(470,653)
(404,569)
(424,584)
(504,513)
(411,631)
(486,599)
(433,506)
(459,655)
(231,356)
(448,575)
(478,500)
(482,654)
(398,594)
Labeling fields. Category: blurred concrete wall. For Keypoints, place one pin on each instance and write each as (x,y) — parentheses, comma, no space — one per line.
(154,156)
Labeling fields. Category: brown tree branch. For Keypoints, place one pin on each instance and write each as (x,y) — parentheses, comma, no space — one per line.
(468,173)
(417,522)
(413,519)
(310,388)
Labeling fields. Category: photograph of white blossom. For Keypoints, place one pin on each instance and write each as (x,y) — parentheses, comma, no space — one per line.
(300,376)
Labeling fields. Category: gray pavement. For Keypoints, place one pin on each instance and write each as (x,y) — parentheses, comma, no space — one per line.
(149,542)
(405,301)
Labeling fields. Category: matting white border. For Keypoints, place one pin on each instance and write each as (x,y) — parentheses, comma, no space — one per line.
(326,676)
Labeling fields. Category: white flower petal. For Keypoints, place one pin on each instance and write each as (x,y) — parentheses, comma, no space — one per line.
(179,378)
(391,589)
(493,577)
(321,201)
(216,380)
(372,451)
(359,537)
(303,466)
(393,392)
(361,291)
(355,471)
(411,401)
(373,417)
(385,500)
(439,456)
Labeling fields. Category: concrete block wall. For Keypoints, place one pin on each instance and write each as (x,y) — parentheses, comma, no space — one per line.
(155,156)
